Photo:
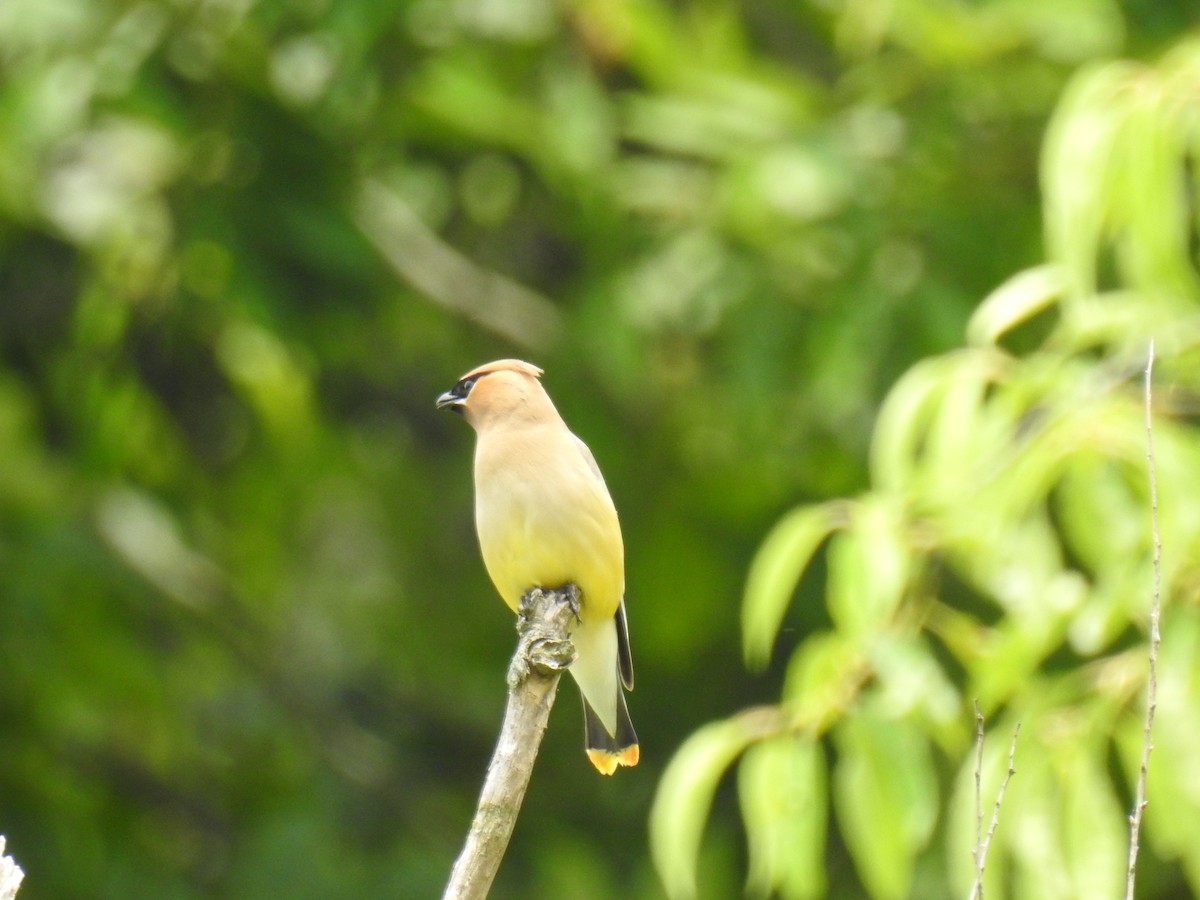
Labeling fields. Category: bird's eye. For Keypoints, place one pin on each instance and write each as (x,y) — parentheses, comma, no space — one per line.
(464,387)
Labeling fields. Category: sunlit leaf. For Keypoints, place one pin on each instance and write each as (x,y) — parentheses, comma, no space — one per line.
(1095,488)
(955,446)
(822,678)
(782,785)
(685,793)
(899,430)
(1077,160)
(934,426)
(1095,837)
(869,566)
(1016,301)
(1153,210)
(1032,823)
(912,680)
(774,573)
(885,793)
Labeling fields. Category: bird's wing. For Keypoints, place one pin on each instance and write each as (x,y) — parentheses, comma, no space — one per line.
(589,459)
(624,654)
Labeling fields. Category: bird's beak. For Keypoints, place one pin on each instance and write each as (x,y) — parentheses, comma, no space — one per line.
(449,399)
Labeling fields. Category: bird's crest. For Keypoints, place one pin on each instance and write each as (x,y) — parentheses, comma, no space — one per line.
(505,365)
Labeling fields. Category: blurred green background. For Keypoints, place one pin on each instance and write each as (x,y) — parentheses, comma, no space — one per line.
(247,648)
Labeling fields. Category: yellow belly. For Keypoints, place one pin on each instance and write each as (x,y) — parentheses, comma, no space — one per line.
(517,565)
(534,536)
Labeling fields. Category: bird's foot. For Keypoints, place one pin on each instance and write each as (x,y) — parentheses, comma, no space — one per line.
(544,632)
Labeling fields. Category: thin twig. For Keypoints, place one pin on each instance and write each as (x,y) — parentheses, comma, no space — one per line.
(544,649)
(978,890)
(981,847)
(1135,818)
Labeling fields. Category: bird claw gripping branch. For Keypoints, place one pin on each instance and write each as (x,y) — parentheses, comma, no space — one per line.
(543,625)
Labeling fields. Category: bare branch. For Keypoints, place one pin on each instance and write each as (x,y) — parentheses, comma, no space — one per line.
(981,846)
(978,889)
(544,650)
(1139,805)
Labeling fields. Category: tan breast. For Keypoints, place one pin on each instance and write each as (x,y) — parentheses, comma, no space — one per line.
(544,517)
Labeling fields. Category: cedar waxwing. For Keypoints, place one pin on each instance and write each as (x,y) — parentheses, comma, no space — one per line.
(544,519)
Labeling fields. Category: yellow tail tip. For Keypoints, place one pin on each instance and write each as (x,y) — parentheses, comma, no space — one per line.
(608,761)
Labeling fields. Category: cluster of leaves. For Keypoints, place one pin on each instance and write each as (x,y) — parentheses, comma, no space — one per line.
(1004,554)
(245,647)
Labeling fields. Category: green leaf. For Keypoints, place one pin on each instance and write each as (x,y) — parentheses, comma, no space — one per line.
(912,680)
(1076,168)
(774,574)
(1031,821)
(886,797)
(869,566)
(782,785)
(684,797)
(1097,488)
(955,443)
(900,428)
(822,678)
(1156,245)
(1017,300)
(1095,838)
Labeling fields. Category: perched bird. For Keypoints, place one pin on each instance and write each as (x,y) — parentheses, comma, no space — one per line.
(544,519)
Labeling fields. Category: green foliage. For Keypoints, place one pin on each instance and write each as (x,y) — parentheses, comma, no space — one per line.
(773,577)
(678,827)
(782,788)
(1003,552)
(886,797)
(246,645)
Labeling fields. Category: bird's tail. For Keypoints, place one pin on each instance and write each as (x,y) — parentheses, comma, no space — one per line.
(608,751)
